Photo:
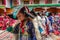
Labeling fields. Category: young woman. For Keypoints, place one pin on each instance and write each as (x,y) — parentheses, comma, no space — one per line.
(26,26)
(37,25)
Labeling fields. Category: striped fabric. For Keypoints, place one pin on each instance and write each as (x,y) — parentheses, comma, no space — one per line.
(4,35)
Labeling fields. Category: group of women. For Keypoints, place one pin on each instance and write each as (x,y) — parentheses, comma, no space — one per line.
(33,25)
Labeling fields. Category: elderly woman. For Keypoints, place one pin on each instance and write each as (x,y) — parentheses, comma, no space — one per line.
(26,26)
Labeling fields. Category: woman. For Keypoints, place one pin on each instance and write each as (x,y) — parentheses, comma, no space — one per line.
(36,22)
(26,26)
(51,19)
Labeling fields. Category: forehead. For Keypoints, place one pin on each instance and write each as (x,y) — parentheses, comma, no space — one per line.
(20,13)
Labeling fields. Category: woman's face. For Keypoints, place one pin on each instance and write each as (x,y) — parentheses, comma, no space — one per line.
(21,16)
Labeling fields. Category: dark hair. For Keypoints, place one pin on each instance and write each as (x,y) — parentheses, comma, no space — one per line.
(11,16)
(33,13)
(43,14)
(38,13)
(55,13)
(23,11)
(50,14)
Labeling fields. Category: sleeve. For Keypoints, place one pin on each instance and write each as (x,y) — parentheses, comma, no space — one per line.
(53,19)
(30,28)
(35,23)
(47,20)
(16,29)
(37,32)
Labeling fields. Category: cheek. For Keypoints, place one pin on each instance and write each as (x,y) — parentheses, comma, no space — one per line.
(21,17)
(18,16)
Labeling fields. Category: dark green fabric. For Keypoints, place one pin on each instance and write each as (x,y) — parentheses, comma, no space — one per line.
(10,29)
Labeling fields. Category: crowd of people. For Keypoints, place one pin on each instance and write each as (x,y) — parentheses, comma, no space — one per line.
(31,25)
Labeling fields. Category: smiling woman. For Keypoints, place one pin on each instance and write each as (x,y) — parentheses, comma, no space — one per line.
(26,26)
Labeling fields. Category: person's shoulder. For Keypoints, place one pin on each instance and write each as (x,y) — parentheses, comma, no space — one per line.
(29,22)
(46,16)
